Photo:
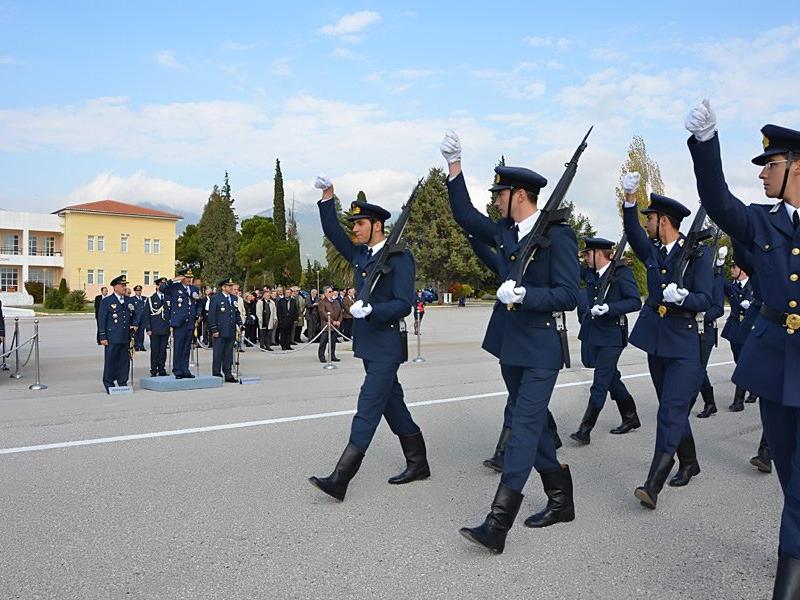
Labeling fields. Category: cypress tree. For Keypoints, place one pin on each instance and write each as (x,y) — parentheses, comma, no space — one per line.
(278,204)
(217,236)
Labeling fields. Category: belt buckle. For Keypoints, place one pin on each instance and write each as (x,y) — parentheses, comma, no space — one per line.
(741,318)
(662,311)
(793,321)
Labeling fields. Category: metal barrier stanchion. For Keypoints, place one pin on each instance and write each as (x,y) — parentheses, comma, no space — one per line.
(329,364)
(38,385)
(418,358)
(4,366)
(16,374)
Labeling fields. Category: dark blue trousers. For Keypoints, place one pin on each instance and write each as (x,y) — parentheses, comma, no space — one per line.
(782,428)
(508,411)
(381,395)
(531,443)
(677,382)
(138,338)
(607,378)
(158,352)
(182,336)
(705,353)
(116,365)
(222,356)
(737,350)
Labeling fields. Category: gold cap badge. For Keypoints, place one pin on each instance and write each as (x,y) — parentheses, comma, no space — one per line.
(765,142)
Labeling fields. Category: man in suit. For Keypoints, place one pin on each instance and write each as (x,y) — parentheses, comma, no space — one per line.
(117,322)
(224,320)
(301,313)
(329,312)
(604,335)
(768,363)
(378,342)
(185,309)
(97,299)
(267,318)
(287,315)
(156,323)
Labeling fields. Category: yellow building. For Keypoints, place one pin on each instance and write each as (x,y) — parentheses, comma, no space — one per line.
(108,238)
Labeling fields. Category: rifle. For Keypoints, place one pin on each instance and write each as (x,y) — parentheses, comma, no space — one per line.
(691,246)
(551,213)
(393,246)
(619,257)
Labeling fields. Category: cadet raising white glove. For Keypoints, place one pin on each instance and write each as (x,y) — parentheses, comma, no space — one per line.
(745,304)
(451,147)
(322,182)
(630,182)
(701,121)
(598,310)
(359,311)
(722,252)
(672,293)
(508,294)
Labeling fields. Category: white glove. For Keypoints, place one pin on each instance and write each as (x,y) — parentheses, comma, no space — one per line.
(701,121)
(508,294)
(322,182)
(722,252)
(630,182)
(598,310)
(720,262)
(451,147)
(359,311)
(672,293)
(745,304)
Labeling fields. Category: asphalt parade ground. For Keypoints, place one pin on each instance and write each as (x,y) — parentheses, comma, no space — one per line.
(204,494)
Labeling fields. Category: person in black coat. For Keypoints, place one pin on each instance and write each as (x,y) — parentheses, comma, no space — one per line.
(97,299)
(287,315)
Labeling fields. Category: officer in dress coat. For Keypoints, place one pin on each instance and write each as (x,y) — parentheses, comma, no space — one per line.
(156,323)
(709,335)
(377,340)
(768,364)
(116,322)
(140,303)
(667,330)
(224,320)
(185,309)
(525,339)
(604,335)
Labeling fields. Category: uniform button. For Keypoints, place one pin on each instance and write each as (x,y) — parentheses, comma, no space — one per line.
(766,246)
(790,331)
(795,251)
(547,324)
(363,273)
(663,271)
(513,257)
(792,303)
(793,277)
(690,326)
(501,246)
(663,285)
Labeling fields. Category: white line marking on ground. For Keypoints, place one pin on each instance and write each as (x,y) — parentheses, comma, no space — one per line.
(245,424)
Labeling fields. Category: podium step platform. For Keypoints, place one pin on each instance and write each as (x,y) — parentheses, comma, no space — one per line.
(170,384)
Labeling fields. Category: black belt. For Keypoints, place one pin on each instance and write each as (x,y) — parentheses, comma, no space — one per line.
(787,320)
(670,311)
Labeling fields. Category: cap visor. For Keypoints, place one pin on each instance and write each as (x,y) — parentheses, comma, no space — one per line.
(763,159)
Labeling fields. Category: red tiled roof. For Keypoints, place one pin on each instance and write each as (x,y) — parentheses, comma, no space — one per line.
(113,207)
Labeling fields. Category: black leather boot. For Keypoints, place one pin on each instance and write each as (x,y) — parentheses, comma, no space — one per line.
(496,462)
(738,400)
(491,534)
(416,459)
(787,579)
(560,506)
(659,471)
(751,397)
(710,407)
(688,466)
(763,460)
(336,483)
(583,435)
(630,420)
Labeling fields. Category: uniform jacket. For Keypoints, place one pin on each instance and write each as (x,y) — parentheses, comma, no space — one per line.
(185,304)
(668,336)
(717,308)
(736,294)
(376,337)
(768,365)
(744,259)
(526,336)
(157,314)
(223,315)
(115,319)
(140,303)
(610,329)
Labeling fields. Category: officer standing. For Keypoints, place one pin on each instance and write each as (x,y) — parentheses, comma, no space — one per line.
(140,303)
(224,320)
(377,341)
(709,336)
(184,310)
(604,335)
(116,324)
(156,322)
(667,330)
(768,364)
(739,292)
(525,339)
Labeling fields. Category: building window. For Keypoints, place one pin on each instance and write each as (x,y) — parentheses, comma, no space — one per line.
(147,277)
(10,244)
(155,276)
(101,277)
(101,243)
(41,275)
(32,245)
(156,246)
(123,243)
(147,246)
(50,246)
(90,243)
(90,276)
(8,279)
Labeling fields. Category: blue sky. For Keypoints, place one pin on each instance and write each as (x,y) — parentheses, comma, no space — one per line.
(150,102)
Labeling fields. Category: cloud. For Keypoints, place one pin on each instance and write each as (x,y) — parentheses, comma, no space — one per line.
(400,80)
(344,53)
(166,58)
(522,82)
(348,26)
(240,47)
(281,68)
(6,59)
(559,44)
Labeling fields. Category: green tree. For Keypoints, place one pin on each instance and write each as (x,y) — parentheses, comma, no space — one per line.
(580,224)
(491,209)
(361,196)
(187,250)
(261,252)
(217,236)
(278,204)
(339,269)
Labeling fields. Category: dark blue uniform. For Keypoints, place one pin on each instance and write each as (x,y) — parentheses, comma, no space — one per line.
(768,362)
(185,309)
(736,293)
(156,321)
(223,319)
(115,319)
(140,303)
(709,338)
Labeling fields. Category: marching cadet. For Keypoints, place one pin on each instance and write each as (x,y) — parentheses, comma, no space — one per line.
(739,292)
(184,310)
(140,303)
(224,320)
(156,322)
(768,364)
(116,324)
(604,335)
(377,340)
(525,340)
(667,330)
(709,336)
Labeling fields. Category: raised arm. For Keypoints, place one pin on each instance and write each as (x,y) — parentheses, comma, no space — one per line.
(637,238)
(330,222)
